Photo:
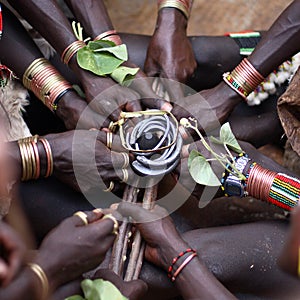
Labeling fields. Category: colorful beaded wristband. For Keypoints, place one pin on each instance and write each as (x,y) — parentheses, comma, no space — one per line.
(232,185)
(183,5)
(243,79)
(276,188)
(183,265)
(176,259)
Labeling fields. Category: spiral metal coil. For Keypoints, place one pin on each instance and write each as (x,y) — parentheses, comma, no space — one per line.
(161,128)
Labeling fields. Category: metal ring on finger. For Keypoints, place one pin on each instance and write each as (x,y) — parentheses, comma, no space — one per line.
(126,160)
(109,139)
(110,187)
(82,216)
(116,224)
(125,175)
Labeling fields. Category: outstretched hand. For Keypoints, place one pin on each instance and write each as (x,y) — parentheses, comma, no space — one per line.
(158,230)
(74,248)
(170,53)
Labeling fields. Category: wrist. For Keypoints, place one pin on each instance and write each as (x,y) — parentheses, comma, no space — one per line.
(172,18)
(171,251)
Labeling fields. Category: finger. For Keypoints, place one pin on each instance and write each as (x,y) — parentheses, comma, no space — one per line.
(107,107)
(111,224)
(3,271)
(135,289)
(134,211)
(109,275)
(83,218)
(112,141)
(173,87)
(14,264)
(133,106)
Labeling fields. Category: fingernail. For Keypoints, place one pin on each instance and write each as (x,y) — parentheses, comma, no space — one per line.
(98,211)
(114,206)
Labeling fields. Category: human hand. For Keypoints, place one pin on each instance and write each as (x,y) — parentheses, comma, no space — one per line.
(210,108)
(82,156)
(133,290)
(75,113)
(73,248)
(106,97)
(170,53)
(158,230)
(12,252)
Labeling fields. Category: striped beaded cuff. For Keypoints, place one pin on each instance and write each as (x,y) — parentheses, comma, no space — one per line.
(285,191)
(227,77)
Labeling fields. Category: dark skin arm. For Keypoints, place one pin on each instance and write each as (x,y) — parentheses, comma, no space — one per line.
(16,39)
(277,45)
(170,53)
(164,243)
(71,261)
(93,16)
(72,153)
(56,28)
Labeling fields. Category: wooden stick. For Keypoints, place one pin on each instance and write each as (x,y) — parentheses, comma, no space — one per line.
(121,242)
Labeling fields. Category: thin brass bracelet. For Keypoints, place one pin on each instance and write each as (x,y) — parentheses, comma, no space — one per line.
(105,34)
(39,272)
(45,82)
(175,4)
(71,50)
(29,158)
(49,158)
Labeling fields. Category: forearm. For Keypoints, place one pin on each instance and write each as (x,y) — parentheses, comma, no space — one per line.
(280,43)
(26,286)
(197,281)
(92,15)
(14,41)
(47,18)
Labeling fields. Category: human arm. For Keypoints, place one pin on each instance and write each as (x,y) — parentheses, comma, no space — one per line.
(80,159)
(56,28)
(164,243)
(276,45)
(70,107)
(93,15)
(81,248)
(170,53)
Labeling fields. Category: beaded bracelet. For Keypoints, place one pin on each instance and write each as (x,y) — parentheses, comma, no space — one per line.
(45,82)
(176,259)
(243,79)
(231,184)
(182,5)
(276,188)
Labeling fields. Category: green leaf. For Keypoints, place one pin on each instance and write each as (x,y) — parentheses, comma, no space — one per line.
(193,154)
(119,51)
(100,289)
(228,138)
(202,172)
(99,63)
(94,45)
(124,75)
(215,140)
(75,297)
